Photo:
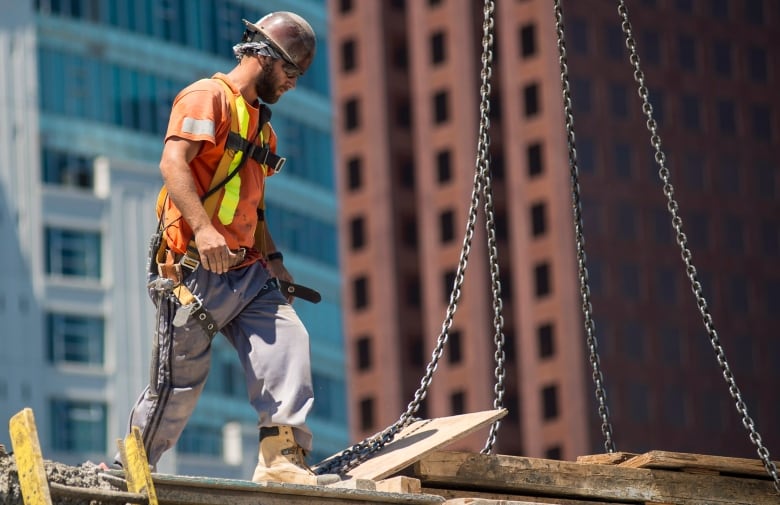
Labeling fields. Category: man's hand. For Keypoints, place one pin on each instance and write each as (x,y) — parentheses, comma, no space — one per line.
(215,255)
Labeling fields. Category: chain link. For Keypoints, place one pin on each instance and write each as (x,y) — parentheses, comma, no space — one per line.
(351,457)
(484,179)
(687,256)
(587,308)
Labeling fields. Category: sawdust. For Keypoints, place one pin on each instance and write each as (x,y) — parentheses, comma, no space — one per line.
(86,475)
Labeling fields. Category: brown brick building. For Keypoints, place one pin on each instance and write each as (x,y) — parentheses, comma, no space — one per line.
(405,83)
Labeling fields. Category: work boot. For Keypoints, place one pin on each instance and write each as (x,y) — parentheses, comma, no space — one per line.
(281,459)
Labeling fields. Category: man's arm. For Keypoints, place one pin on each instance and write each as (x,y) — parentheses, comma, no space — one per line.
(177,175)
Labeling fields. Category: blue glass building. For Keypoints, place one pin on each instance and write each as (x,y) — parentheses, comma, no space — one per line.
(86,93)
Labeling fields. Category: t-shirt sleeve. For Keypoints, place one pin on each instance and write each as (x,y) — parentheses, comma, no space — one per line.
(196,115)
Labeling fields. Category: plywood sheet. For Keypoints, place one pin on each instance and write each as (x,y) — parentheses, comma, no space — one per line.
(420,438)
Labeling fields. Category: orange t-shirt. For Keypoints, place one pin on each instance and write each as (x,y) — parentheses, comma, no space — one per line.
(201,112)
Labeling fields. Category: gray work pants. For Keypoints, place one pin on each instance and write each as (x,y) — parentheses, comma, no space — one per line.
(271,342)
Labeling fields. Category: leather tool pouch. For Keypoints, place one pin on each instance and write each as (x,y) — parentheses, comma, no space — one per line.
(170,269)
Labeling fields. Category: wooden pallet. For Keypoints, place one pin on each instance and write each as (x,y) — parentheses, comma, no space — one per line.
(653,478)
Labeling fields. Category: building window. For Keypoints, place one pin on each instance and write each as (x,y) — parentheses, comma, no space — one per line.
(73,253)
(363,352)
(366,414)
(615,42)
(66,169)
(581,96)
(403,114)
(406,173)
(754,11)
(454,345)
(75,339)
(721,58)
(666,286)
(684,6)
(719,9)
(534,159)
(416,351)
(443,165)
(440,107)
(360,290)
(651,48)
(531,100)
(546,337)
(354,173)
(577,34)
(400,56)
(623,161)
(734,236)
(345,6)
(690,112)
(554,452)
(629,281)
(458,403)
(412,288)
(586,155)
(618,100)
(357,233)
(448,282)
(638,402)
(762,123)
(200,439)
(348,60)
(542,280)
(438,48)
(550,402)
(626,221)
(538,219)
(757,64)
(686,52)
(78,426)
(447,226)
(527,40)
(727,117)
(409,231)
(351,114)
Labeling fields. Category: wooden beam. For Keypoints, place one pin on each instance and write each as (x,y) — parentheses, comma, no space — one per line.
(520,475)
(698,462)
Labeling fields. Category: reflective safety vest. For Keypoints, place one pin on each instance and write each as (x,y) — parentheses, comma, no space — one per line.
(227,179)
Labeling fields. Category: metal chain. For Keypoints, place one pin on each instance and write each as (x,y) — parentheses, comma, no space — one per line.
(587,308)
(359,452)
(483,171)
(682,241)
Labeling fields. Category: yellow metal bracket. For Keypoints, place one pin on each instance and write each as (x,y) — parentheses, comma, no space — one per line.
(136,464)
(29,459)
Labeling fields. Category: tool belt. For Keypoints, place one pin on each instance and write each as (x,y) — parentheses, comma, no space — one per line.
(175,268)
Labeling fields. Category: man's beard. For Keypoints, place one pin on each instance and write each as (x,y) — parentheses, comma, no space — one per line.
(267,87)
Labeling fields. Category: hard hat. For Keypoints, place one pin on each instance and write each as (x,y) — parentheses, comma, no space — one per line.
(288,33)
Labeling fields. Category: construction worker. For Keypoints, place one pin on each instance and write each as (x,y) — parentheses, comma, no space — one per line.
(213,264)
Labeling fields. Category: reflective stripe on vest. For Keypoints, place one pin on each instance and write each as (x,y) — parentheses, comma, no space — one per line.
(232,190)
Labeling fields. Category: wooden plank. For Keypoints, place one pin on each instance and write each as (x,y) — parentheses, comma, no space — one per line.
(450,494)
(520,475)
(698,462)
(182,490)
(484,501)
(610,458)
(420,438)
(29,459)
(399,484)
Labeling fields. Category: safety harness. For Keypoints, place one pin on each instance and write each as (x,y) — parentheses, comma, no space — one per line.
(238,149)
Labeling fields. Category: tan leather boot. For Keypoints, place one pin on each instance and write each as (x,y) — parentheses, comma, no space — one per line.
(281,459)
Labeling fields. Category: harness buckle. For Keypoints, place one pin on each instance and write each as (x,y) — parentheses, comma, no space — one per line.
(189,262)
